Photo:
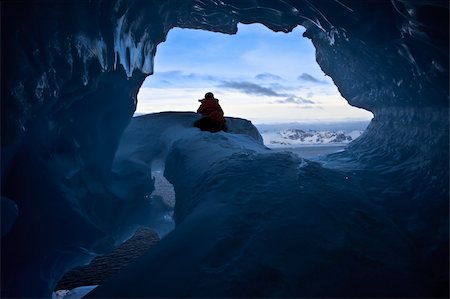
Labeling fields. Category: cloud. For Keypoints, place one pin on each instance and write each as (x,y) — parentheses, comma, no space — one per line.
(169,73)
(309,78)
(201,77)
(185,76)
(293,99)
(285,88)
(179,78)
(310,107)
(268,76)
(250,88)
(166,82)
(255,89)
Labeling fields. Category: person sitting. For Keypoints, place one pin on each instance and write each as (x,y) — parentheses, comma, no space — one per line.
(212,120)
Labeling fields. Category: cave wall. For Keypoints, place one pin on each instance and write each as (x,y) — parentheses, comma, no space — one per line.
(71,71)
(379,53)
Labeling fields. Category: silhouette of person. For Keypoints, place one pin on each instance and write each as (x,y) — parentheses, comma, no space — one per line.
(212,120)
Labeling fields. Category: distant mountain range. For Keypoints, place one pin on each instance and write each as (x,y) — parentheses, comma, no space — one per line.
(296,137)
(299,134)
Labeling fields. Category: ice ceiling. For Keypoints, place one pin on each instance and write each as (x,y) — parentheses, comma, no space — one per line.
(71,71)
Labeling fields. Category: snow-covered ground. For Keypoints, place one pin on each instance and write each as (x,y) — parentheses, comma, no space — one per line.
(311,140)
(312,152)
(251,221)
(298,134)
(297,137)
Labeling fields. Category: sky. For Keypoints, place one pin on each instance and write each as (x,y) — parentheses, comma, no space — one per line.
(257,74)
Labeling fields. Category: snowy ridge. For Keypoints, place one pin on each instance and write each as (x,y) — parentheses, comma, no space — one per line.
(243,213)
(298,137)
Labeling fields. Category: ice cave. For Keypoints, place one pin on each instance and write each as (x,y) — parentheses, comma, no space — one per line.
(371,221)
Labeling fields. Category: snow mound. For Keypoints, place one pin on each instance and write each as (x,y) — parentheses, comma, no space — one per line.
(252,222)
(154,139)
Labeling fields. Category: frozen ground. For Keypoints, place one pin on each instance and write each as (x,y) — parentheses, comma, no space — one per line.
(255,222)
(94,275)
(252,221)
(81,280)
(311,151)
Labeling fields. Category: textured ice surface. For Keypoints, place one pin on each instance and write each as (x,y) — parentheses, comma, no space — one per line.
(71,71)
(76,293)
(9,213)
(253,222)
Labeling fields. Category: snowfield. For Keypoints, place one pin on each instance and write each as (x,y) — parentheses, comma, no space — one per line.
(296,137)
(253,222)
(307,134)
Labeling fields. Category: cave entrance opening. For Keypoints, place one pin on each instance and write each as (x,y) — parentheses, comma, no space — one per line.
(257,74)
(270,78)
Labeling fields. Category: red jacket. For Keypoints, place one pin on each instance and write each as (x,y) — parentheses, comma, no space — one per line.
(211,108)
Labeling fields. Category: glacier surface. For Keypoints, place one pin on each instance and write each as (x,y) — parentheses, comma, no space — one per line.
(252,222)
(369,221)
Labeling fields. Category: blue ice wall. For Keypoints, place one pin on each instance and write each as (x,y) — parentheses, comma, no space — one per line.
(71,71)
(252,222)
